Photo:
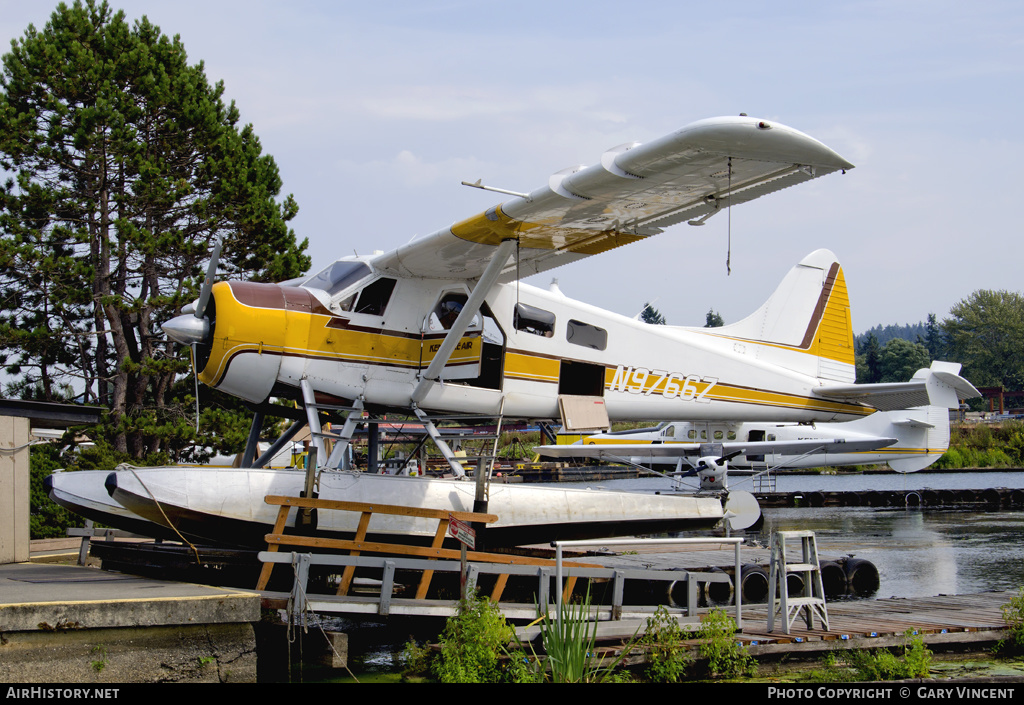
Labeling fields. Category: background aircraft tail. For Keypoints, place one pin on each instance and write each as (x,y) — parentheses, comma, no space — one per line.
(805,324)
(921,433)
(921,424)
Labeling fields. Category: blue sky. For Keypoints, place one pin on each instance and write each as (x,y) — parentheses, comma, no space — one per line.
(375,112)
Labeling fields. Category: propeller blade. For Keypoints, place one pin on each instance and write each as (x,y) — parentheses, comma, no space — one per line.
(211,272)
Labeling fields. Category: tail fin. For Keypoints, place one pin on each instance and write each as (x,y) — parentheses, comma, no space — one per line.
(805,324)
(921,433)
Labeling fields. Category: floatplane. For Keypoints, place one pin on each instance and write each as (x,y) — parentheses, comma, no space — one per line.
(443,325)
(905,439)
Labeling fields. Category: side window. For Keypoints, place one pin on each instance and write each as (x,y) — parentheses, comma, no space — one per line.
(586,335)
(447,309)
(530,319)
(374,297)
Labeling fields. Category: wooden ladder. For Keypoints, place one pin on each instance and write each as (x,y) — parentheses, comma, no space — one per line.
(358,544)
(811,601)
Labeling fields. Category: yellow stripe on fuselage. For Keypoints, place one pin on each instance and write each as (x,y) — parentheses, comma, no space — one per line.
(242,328)
(519,365)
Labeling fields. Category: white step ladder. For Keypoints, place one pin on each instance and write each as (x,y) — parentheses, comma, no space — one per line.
(812,599)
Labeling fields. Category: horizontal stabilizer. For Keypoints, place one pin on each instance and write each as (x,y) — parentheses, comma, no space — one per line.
(939,385)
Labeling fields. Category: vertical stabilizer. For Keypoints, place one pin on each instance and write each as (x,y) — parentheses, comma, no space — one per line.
(805,325)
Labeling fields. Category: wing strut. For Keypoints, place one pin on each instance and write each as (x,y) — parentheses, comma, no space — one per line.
(339,457)
(313,419)
(473,304)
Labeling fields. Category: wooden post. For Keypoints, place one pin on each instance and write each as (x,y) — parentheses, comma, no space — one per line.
(14,490)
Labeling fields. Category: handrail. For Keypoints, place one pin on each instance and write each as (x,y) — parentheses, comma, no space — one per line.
(736,541)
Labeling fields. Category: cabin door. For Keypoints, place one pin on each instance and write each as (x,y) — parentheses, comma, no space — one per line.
(464,362)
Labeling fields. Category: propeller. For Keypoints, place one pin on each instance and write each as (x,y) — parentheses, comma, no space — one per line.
(712,470)
(192,328)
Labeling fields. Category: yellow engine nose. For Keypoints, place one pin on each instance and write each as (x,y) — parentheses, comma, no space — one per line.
(254,326)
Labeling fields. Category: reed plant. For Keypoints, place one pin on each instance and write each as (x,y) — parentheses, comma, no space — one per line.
(569,639)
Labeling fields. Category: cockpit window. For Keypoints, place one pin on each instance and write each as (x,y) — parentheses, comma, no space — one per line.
(373,299)
(338,277)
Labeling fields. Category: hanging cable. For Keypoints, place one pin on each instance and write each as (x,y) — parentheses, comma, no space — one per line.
(728,253)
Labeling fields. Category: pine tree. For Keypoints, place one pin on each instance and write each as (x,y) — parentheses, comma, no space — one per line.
(934,338)
(652,315)
(713,319)
(125,166)
(870,367)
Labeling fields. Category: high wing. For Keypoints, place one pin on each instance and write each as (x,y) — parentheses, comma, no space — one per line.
(678,450)
(635,192)
(940,385)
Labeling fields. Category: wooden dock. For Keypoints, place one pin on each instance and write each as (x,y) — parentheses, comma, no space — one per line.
(946,623)
(950,620)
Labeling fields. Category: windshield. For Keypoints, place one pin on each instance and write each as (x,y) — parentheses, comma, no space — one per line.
(338,277)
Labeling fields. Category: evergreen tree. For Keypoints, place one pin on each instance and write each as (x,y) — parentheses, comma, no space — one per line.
(713,319)
(869,366)
(934,339)
(651,315)
(125,165)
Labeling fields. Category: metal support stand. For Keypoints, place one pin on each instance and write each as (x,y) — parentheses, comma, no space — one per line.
(435,436)
(812,600)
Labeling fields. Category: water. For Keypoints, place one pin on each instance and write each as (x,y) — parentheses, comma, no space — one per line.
(918,552)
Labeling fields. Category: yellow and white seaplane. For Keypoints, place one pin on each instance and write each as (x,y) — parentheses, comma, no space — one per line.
(444,325)
(906,439)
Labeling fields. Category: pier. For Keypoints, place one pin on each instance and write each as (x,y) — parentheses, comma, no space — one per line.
(64,623)
(75,624)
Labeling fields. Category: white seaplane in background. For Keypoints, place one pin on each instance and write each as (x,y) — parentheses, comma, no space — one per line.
(442,325)
(907,440)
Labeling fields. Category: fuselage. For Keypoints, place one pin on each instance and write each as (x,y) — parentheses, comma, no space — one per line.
(922,437)
(357,334)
